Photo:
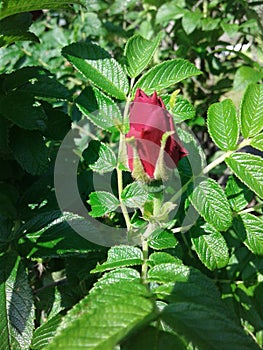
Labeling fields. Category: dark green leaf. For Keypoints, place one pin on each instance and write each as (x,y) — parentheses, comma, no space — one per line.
(204,326)
(11,7)
(29,150)
(19,107)
(150,338)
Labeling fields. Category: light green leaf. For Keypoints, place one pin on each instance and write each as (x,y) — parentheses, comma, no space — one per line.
(162,239)
(169,272)
(237,193)
(105,317)
(181,109)
(100,157)
(250,230)
(45,333)
(120,256)
(134,195)
(102,202)
(248,168)
(210,201)
(210,246)
(257,142)
(223,125)
(139,52)
(16,304)
(191,21)
(252,110)
(166,74)
(245,76)
(157,258)
(99,67)
(99,108)
(10,7)
(170,10)
(204,326)
(30,151)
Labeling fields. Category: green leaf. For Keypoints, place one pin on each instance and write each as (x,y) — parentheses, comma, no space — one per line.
(105,317)
(120,256)
(134,195)
(100,157)
(10,7)
(210,246)
(245,76)
(139,52)
(252,110)
(250,230)
(166,74)
(152,338)
(99,108)
(169,272)
(4,135)
(182,110)
(170,10)
(191,21)
(44,334)
(257,142)
(162,239)
(157,258)
(237,193)
(117,275)
(15,29)
(204,326)
(210,201)
(19,107)
(29,151)
(248,168)
(99,67)
(223,125)
(102,202)
(16,304)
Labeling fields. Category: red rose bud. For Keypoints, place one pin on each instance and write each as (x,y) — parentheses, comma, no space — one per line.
(152,143)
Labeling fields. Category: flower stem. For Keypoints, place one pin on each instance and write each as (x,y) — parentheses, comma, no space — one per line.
(220,159)
(145,251)
(249,210)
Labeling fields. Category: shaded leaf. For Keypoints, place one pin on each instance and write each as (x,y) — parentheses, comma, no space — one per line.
(102,202)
